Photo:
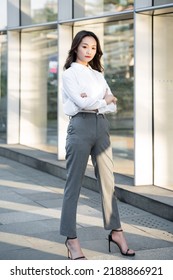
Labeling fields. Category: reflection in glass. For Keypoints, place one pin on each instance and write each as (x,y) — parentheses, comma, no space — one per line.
(39,89)
(119,64)
(41,11)
(3,14)
(117,42)
(3,87)
(84,8)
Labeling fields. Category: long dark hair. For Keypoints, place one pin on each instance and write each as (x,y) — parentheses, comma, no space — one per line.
(95,62)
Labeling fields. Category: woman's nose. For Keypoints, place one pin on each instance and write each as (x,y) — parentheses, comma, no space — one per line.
(88,51)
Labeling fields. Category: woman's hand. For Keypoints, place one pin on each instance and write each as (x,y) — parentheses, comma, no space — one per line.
(83,94)
(109,98)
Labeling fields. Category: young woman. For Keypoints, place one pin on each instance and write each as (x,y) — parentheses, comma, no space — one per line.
(86,99)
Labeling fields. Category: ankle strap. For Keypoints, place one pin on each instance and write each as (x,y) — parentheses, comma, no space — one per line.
(71,237)
(117,230)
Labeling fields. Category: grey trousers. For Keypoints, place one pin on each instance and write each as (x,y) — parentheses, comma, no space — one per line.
(88,134)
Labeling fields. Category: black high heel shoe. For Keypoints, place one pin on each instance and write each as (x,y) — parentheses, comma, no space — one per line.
(69,254)
(111,240)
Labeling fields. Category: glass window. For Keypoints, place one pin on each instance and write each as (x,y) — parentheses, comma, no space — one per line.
(3,14)
(3,87)
(41,11)
(84,8)
(162,2)
(117,42)
(38,124)
(119,66)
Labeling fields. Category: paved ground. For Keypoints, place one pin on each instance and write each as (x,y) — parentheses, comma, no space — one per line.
(30,207)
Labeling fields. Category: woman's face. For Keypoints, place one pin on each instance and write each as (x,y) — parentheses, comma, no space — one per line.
(86,50)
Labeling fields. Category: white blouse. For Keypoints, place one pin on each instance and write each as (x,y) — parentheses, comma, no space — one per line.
(80,79)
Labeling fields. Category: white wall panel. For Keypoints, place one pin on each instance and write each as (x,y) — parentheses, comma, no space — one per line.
(163,101)
(13,88)
(143,100)
(65,40)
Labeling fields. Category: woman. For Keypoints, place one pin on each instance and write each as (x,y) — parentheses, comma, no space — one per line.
(86,99)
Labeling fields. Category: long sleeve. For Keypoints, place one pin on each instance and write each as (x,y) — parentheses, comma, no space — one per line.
(73,91)
(80,79)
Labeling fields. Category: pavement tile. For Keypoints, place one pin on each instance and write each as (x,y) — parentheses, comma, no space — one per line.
(31,227)
(155,254)
(30,209)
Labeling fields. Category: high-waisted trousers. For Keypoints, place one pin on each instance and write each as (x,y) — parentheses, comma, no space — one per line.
(88,134)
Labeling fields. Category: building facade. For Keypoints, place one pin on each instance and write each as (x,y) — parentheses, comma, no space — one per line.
(136,39)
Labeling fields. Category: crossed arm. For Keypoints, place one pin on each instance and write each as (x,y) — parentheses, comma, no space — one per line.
(109,98)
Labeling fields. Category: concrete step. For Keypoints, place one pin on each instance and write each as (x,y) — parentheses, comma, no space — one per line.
(156,200)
